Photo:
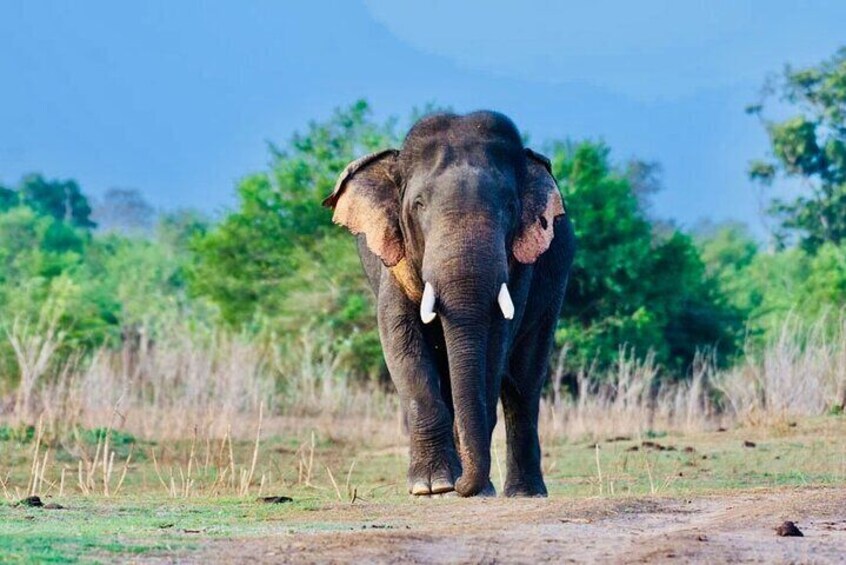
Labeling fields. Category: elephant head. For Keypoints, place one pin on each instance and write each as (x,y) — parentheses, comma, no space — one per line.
(452,211)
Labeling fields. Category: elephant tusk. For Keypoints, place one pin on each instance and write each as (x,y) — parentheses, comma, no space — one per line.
(427,304)
(505,303)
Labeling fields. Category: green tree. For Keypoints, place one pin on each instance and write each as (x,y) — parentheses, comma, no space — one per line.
(632,284)
(729,251)
(278,261)
(810,146)
(63,200)
(35,246)
(180,228)
(770,287)
(8,198)
(793,283)
(105,283)
(242,262)
(37,255)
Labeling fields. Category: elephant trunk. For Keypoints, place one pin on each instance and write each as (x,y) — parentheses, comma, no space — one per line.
(468,284)
(467,353)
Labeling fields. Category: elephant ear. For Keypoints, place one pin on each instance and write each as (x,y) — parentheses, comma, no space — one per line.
(541,203)
(366,201)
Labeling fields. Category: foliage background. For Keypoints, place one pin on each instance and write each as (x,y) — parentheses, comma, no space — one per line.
(275,269)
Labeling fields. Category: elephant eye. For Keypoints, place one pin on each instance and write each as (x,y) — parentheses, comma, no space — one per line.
(512,209)
(419,204)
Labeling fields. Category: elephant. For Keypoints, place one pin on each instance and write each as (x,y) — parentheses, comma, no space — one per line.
(464,239)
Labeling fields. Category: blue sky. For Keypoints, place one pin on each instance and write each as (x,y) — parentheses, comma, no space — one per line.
(178,98)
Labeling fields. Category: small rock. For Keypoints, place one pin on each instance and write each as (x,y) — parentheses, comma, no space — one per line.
(31,501)
(789,529)
(701,537)
(275,499)
(653,445)
(689,449)
(574,521)
(748,443)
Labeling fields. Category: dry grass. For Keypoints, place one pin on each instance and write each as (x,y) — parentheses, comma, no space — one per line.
(632,399)
(215,386)
(802,372)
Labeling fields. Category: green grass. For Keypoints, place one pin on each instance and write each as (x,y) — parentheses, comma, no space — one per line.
(811,454)
(87,530)
(21,433)
(100,529)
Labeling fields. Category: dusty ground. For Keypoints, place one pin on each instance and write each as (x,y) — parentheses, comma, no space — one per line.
(738,527)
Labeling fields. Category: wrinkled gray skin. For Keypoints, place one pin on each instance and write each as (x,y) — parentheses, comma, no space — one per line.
(456,204)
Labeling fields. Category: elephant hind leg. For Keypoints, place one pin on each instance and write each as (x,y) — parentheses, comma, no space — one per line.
(521,391)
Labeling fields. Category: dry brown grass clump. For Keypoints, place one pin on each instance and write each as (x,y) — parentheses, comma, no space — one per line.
(219,383)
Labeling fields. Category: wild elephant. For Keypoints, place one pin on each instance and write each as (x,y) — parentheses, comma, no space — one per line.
(464,239)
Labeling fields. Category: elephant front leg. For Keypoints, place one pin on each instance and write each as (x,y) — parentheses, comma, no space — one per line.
(434,465)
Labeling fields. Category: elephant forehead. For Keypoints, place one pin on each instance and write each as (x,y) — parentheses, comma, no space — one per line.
(482,139)
(436,155)
(463,183)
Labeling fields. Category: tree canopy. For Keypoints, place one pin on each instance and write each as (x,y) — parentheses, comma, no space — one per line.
(809,146)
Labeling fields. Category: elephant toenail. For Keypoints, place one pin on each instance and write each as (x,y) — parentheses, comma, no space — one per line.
(420,488)
(442,485)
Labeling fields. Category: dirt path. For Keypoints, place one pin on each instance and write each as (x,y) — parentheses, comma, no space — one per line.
(725,528)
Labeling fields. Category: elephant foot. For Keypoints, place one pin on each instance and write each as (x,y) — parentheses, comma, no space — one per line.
(526,488)
(488,491)
(485,490)
(433,477)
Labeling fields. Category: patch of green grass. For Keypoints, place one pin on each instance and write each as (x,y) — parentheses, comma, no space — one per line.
(102,529)
(702,463)
(116,437)
(122,443)
(82,531)
(21,433)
